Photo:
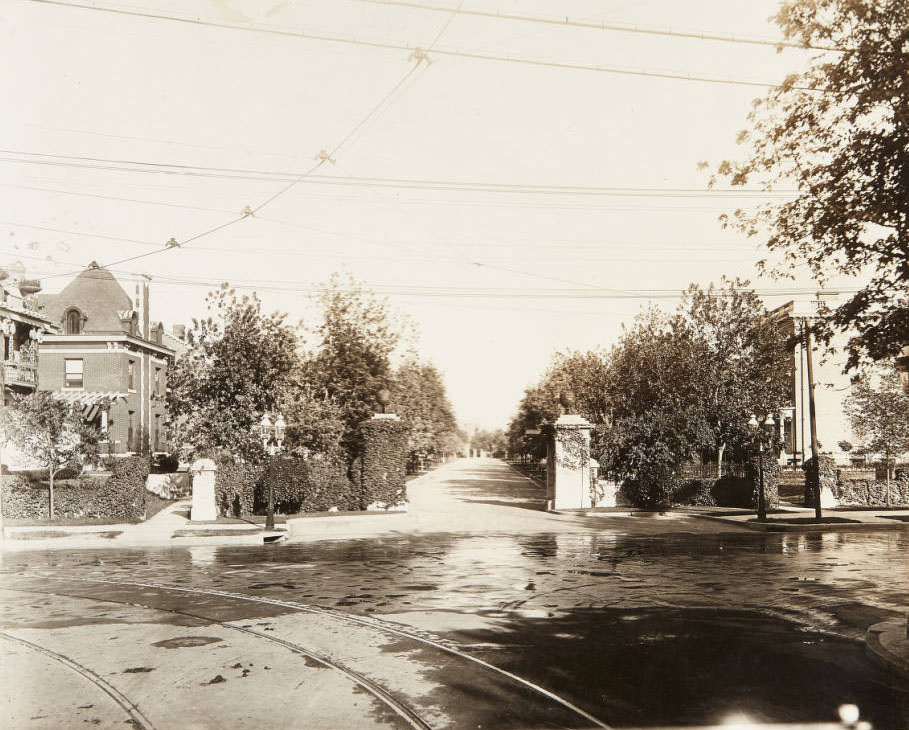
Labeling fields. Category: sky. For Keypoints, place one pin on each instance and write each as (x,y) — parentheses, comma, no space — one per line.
(510,209)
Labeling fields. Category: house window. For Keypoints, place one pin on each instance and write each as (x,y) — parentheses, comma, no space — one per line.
(158,380)
(72,322)
(157,432)
(131,432)
(131,375)
(72,373)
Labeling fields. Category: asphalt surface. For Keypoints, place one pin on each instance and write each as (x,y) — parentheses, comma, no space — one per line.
(476,610)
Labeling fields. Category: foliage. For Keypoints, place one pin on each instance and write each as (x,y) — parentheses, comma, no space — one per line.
(314,485)
(240,363)
(880,415)
(235,487)
(381,477)
(351,363)
(840,132)
(492,442)
(50,432)
(118,497)
(741,362)
(872,491)
(418,397)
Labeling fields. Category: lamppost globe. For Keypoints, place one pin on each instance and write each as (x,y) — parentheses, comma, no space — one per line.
(769,422)
(383,397)
(753,423)
(265,430)
(280,427)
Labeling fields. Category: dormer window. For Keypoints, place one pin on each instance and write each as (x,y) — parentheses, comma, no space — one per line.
(72,322)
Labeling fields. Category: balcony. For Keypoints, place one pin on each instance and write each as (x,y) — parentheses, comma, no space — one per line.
(18,373)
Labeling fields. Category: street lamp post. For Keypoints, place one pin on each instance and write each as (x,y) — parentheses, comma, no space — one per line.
(272,435)
(757,430)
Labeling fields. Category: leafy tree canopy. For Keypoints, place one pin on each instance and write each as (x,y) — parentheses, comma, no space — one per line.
(879,413)
(418,397)
(240,363)
(839,131)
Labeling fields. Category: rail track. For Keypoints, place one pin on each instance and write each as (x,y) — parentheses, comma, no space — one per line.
(407,713)
(131,709)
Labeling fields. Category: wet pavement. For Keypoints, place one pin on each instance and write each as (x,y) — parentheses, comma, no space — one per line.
(507,618)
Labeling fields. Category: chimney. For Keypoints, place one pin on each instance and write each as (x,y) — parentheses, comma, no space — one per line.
(179,331)
(142,309)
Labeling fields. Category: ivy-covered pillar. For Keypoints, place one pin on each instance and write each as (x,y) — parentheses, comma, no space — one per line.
(382,463)
(568,466)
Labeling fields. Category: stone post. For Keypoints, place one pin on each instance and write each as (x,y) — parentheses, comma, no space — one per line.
(383,463)
(820,480)
(203,475)
(568,463)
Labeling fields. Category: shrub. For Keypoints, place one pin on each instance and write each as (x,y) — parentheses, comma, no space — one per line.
(732,491)
(383,457)
(695,492)
(120,496)
(771,469)
(872,491)
(314,485)
(235,488)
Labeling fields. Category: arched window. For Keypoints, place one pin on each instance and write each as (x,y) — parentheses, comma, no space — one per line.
(72,322)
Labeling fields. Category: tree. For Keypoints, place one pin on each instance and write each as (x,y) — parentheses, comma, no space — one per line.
(352,360)
(51,432)
(741,358)
(880,416)
(240,363)
(493,442)
(418,397)
(839,131)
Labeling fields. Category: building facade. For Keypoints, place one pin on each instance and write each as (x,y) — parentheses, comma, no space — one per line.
(831,387)
(109,359)
(21,330)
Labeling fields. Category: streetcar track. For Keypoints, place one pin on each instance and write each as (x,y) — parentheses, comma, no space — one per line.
(131,708)
(380,693)
(373,623)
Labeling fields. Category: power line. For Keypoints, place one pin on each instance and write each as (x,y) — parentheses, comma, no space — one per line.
(592,25)
(387,45)
(384,182)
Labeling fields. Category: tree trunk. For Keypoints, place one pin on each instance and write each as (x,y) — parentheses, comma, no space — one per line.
(719,460)
(50,493)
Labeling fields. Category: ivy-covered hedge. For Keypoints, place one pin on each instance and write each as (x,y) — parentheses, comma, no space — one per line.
(694,492)
(310,486)
(235,488)
(873,491)
(121,496)
(313,485)
(382,463)
(771,480)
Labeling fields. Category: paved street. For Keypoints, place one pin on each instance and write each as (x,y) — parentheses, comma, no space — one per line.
(474,609)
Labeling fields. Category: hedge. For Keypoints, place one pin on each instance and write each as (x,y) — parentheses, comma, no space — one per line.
(235,488)
(381,477)
(120,496)
(873,491)
(312,485)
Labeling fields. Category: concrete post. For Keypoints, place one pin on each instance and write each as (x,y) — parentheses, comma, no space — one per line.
(568,463)
(204,507)
(383,463)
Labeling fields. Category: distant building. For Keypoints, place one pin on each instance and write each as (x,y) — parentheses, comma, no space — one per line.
(21,329)
(108,358)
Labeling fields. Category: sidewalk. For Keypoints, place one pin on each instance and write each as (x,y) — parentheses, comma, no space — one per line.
(847,520)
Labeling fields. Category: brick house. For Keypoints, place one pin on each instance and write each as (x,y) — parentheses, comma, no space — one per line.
(21,328)
(108,358)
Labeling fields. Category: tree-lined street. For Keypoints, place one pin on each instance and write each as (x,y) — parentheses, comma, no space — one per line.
(600,612)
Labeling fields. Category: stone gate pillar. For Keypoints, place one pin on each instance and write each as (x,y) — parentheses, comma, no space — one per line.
(383,463)
(203,475)
(568,463)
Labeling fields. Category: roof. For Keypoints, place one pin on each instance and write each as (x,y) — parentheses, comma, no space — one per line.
(97,295)
(91,402)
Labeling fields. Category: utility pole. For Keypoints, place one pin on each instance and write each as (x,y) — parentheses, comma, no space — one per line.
(812,420)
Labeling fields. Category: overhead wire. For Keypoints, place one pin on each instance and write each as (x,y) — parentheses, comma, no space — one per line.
(389,182)
(567,22)
(387,45)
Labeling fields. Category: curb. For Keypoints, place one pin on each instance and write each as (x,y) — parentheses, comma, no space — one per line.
(829,527)
(887,644)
